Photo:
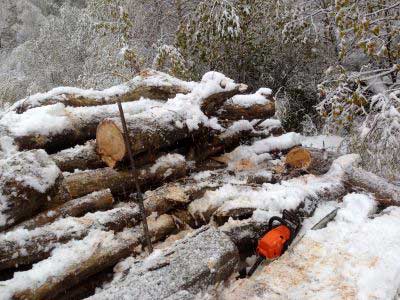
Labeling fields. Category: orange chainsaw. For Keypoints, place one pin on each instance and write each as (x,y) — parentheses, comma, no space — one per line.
(280,234)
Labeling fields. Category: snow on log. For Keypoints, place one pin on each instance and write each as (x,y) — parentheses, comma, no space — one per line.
(96,252)
(75,208)
(202,259)
(315,161)
(331,263)
(245,233)
(56,127)
(301,193)
(25,180)
(169,167)
(259,105)
(251,155)
(164,126)
(148,84)
(385,192)
(22,246)
(81,157)
(146,134)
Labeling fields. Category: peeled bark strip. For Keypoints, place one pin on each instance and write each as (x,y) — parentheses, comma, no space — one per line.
(386,193)
(21,247)
(315,161)
(149,84)
(75,208)
(119,182)
(100,251)
(231,111)
(200,260)
(25,180)
(80,157)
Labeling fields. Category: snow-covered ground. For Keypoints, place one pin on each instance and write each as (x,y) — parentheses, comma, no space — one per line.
(355,257)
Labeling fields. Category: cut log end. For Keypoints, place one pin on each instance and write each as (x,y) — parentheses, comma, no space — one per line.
(298,158)
(110,143)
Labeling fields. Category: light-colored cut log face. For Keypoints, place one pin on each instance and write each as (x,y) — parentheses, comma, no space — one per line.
(298,158)
(110,143)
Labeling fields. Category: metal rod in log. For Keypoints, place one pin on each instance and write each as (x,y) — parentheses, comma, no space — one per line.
(135,178)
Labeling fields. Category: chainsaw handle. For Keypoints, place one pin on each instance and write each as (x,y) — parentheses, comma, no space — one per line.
(275,218)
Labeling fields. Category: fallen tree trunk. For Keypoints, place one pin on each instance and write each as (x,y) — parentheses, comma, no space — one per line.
(314,161)
(82,157)
(231,111)
(70,125)
(75,208)
(146,135)
(386,193)
(25,180)
(100,250)
(212,103)
(149,84)
(119,182)
(200,260)
(21,246)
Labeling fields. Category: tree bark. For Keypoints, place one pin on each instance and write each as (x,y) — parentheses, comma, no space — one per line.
(386,193)
(149,84)
(119,182)
(211,104)
(80,126)
(25,180)
(200,260)
(100,258)
(146,135)
(315,161)
(82,157)
(36,244)
(75,208)
(231,111)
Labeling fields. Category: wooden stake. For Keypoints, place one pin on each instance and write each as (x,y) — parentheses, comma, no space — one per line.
(135,178)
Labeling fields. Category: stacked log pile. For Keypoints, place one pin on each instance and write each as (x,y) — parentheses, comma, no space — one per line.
(214,166)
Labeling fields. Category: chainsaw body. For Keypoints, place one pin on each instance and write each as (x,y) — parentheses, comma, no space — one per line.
(281,232)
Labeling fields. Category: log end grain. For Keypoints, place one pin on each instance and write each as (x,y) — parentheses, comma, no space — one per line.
(298,158)
(110,143)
